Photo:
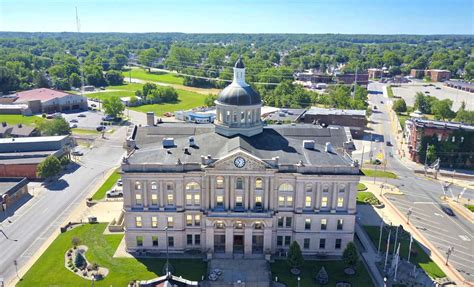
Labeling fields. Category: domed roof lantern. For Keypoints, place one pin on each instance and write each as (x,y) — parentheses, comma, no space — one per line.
(239,64)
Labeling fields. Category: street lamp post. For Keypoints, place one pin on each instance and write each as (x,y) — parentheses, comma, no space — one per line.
(409,212)
(448,253)
(299,281)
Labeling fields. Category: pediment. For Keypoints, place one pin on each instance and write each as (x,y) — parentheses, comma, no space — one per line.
(229,162)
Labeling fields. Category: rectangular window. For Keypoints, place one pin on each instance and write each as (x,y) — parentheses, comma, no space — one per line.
(139,240)
(322,243)
(238,201)
(197,220)
(170,241)
(154,240)
(154,221)
(189,220)
(138,199)
(306,243)
(170,199)
(287,240)
(340,224)
(197,239)
(197,199)
(220,182)
(170,222)
(280,221)
(189,199)
(258,200)
(307,202)
(220,200)
(189,239)
(307,224)
(288,221)
(289,201)
(138,221)
(338,243)
(324,224)
(324,201)
(154,199)
(340,201)
(281,201)
(279,240)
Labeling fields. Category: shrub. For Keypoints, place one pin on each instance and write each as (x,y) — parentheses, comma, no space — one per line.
(350,255)
(295,258)
(75,241)
(65,161)
(80,261)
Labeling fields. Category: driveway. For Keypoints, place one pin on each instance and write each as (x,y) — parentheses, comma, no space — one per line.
(91,120)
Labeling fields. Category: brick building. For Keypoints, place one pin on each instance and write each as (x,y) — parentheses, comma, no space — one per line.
(349,79)
(435,75)
(12,190)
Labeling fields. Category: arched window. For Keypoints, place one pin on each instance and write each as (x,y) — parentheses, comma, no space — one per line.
(258,183)
(285,187)
(169,186)
(192,186)
(154,185)
(193,196)
(308,187)
(239,183)
(219,182)
(138,185)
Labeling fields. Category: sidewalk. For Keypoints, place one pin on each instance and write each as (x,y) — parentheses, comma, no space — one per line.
(398,218)
(370,255)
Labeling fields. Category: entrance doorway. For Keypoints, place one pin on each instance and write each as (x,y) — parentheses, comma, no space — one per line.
(219,243)
(257,244)
(238,244)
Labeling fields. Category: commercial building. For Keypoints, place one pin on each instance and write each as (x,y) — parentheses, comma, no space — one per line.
(355,120)
(313,77)
(11,190)
(48,101)
(349,79)
(376,73)
(197,115)
(460,85)
(435,75)
(237,186)
(458,153)
(283,115)
(417,73)
(19,157)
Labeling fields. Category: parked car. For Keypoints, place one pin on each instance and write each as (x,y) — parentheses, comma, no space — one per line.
(77,153)
(114,193)
(388,143)
(377,162)
(100,128)
(447,210)
(108,118)
(119,182)
(427,92)
(74,121)
(381,102)
(50,117)
(93,105)
(73,126)
(438,88)
(82,115)
(375,107)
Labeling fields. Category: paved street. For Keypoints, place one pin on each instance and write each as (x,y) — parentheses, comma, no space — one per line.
(423,196)
(34,222)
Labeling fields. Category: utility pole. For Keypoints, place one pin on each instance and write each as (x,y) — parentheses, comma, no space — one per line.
(380,237)
(408,215)
(409,247)
(16,267)
(386,253)
(448,253)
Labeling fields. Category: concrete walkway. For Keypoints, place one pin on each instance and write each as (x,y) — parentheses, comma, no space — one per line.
(369,255)
(250,273)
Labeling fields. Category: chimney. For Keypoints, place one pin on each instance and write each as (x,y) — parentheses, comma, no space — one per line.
(150,118)
(329,148)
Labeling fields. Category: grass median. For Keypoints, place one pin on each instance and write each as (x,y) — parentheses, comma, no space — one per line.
(106,186)
(378,173)
(49,269)
(162,77)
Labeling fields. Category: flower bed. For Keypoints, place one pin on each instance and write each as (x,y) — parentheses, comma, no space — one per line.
(81,267)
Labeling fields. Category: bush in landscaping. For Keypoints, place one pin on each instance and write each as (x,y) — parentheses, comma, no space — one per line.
(400,106)
(350,255)
(65,161)
(75,241)
(80,261)
(295,258)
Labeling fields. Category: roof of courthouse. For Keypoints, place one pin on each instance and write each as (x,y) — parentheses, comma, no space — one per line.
(284,141)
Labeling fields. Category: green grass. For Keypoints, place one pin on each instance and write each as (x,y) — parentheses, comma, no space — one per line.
(421,258)
(365,197)
(389,92)
(106,186)
(49,269)
(186,100)
(378,173)
(361,187)
(402,119)
(335,270)
(20,119)
(84,132)
(162,77)
(470,207)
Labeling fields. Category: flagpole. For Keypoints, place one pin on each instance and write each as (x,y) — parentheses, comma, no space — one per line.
(396,238)
(380,237)
(388,247)
(396,263)
(409,247)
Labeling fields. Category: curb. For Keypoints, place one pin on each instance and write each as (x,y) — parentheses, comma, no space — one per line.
(464,212)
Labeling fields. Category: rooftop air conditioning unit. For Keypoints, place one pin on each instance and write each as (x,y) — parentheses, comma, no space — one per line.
(168,142)
(308,144)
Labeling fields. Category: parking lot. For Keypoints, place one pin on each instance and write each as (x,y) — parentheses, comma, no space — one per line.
(408,91)
(85,119)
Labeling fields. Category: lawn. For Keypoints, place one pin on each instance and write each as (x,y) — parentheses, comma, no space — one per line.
(421,258)
(186,100)
(378,173)
(402,118)
(470,207)
(365,197)
(162,77)
(20,119)
(49,269)
(361,187)
(389,92)
(335,270)
(106,186)
(76,131)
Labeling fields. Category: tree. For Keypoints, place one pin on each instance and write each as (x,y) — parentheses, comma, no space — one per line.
(147,89)
(55,127)
(75,80)
(65,160)
(400,106)
(464,116)
(75,241)
(350,255)
(113,106)
(421,103)
(40,80)
(49,167)
(431,153)
(114,78)
(80,261)
(295,258)
(442,109)
(209,100)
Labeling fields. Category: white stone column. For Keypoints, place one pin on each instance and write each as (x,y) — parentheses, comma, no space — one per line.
(145,193)
(299,196)
(211,192)
(273,193)
(248,238)
(162,194)
(229,239)
(266,193)
(351,198)
(210,237)
(267,239)
(334,197)
(251,191)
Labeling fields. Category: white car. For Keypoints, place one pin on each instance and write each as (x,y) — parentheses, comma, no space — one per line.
(114,193)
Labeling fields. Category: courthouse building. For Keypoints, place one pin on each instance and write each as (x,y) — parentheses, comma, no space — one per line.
(237,186)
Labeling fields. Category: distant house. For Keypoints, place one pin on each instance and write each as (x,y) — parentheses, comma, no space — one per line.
(15,109)
(49,101)
(17,131)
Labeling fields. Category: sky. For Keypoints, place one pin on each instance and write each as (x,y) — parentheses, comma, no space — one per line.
(241,16)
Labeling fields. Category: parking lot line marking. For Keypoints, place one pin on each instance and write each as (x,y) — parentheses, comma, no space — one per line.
(465,237)
(424,202)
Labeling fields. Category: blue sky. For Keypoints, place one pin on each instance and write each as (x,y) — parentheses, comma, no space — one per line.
(242,16)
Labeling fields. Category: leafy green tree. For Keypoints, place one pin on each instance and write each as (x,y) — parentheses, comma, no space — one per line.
(40,80)
(147,88)
(113,106)
(75,80)
(114,78)
(431,153)
(49,167)
(442,109)
(118,61)
(148,57)
(64,160)
(9,80)
(400,106)
(350,255)
(55,127)
(295,257)
(75,241)
(422,104)
(464,116)
(180,57)
(209,100)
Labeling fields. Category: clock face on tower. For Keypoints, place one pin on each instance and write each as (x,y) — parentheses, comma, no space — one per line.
(239,162)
